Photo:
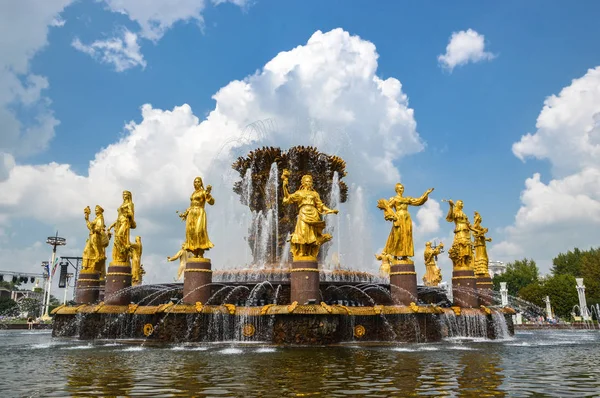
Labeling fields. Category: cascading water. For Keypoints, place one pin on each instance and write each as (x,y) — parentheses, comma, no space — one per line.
(333,225)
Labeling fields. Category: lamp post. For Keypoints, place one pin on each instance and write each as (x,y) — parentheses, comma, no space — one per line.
(53,241)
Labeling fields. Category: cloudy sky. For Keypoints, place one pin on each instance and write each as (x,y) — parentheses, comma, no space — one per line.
(495,104)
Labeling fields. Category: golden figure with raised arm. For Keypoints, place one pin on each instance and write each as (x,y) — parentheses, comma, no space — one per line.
(196,231)
(461,252)
(182,256)
(308,234)
(122,227)
(400,241)
(479,243)
(433,274)
(94,252)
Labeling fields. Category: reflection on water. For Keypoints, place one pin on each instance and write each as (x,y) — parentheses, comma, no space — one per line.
(561,363)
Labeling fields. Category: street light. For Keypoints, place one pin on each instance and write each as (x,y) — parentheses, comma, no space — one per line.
(53,241)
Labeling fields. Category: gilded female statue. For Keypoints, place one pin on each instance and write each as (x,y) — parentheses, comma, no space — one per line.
(122,227)
(95,247)
(433,274)
(308,234)
(400,241)
(461,252)
(137,269)
(196,232)
(479,243)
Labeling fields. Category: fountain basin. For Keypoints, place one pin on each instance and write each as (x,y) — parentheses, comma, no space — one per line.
(314,324)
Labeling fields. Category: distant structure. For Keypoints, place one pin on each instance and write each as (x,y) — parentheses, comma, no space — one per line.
(496,268)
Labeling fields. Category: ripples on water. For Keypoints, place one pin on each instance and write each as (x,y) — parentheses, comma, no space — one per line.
(555,363)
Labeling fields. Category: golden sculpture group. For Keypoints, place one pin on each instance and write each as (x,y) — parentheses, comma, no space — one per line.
(305,240)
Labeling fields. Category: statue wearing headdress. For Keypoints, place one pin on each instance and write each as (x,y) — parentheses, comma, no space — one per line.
(308,234)
(433,274)
(122,228)
(400,241)
(479,243)
(196,229)
(94,252)
(461,251)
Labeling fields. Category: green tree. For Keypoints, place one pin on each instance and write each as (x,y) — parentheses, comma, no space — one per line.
(590,272)
(563,295)
(8,307)
(568,263)
(534,293)
(518,275)
(31,306)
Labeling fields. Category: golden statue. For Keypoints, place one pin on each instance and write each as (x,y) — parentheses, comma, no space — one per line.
(433,274)
(481,257)
(182,256)
(196,232)
(461,252)
(125,222)
(400,241)
(137,269)
(308,235)
(94,253)
(386,262)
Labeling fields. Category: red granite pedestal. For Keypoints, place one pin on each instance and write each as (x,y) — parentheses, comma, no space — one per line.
(118,278)
(197,281)
(304,281)
(485,290)
(403,282)
(87,288)
(464,288)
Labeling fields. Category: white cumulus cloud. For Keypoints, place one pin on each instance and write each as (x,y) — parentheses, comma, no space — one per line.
(325,92)
(464,47)
(565,212)
(24,28)
(122,52)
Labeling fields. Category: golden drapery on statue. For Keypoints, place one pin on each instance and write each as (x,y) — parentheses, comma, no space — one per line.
(461,252)
(400,241)
(433,274)
(137,269)
(479,242)
(122,227)
(308,234)
(94,252)
(196,231)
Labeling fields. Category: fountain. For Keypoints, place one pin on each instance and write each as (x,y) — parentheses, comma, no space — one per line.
(297,288)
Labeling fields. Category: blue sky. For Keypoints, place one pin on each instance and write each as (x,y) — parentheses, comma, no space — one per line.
(469,117)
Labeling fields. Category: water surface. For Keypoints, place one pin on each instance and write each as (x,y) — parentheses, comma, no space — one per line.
(540,363)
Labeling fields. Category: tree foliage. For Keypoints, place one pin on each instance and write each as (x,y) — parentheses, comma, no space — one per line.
(523,280)
(8,307)
(519,274)
(562,292)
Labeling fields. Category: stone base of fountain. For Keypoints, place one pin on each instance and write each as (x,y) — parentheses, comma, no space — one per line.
(464,288)
(87,288)
(197,280)
(315,324)
(118,279)
(403,282)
